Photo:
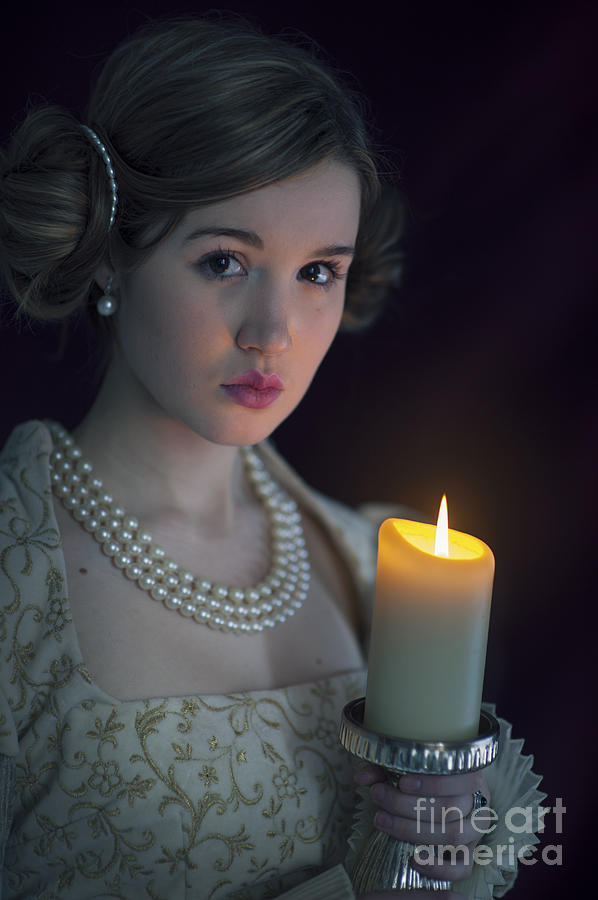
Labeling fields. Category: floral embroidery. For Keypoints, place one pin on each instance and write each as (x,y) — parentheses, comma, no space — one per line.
(105,777)
(8,505)
(57,616)
(208,775)
(285,783)
(190,707)
(326,731)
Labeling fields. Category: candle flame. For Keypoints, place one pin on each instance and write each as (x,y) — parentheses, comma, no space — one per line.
(441,542)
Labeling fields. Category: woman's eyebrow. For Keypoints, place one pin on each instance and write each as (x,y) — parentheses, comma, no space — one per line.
(334,250)
(254,240)
(248,237)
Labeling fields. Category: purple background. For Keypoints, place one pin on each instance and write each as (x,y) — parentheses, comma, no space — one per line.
(480,380)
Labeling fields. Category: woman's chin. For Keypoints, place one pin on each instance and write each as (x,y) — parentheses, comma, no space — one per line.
(244,428)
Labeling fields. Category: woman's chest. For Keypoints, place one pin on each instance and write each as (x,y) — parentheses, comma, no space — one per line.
(134,646)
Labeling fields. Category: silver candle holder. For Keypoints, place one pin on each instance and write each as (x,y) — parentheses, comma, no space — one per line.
(385,863)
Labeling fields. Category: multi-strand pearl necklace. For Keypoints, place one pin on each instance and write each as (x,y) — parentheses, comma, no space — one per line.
(235,610)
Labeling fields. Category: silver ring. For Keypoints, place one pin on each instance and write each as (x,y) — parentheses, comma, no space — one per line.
(479,801)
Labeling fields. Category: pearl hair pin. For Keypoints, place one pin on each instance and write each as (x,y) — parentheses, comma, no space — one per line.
(101,148)
(230,609)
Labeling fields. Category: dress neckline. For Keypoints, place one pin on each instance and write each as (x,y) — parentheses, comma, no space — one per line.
(74,638)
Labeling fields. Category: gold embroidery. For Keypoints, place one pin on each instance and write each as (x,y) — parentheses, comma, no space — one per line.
(208,775)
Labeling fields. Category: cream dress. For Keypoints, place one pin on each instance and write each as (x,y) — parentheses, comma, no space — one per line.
(243,796)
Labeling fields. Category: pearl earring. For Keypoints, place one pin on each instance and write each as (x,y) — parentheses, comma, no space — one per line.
(106,305)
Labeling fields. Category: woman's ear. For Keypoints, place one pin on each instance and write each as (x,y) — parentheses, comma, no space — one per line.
(103,274)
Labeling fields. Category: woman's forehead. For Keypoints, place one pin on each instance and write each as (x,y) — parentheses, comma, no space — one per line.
(323,198)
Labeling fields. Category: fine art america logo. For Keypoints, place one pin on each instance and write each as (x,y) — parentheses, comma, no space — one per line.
(518,820)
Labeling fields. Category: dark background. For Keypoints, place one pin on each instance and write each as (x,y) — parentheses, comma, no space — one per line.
(480,379)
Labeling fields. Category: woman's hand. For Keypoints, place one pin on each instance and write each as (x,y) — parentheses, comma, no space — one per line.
(434,813)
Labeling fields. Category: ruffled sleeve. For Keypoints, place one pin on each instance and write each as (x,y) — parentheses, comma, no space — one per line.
(516,801)
(513,787)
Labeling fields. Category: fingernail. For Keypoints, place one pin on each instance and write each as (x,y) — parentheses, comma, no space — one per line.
(410,783)
(382,820)
(362,777)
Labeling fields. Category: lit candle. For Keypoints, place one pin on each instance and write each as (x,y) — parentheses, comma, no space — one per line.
(429,631)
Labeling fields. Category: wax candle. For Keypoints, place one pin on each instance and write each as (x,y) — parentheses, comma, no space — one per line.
(429,632)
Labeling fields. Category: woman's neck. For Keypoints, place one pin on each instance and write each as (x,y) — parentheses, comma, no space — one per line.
(154,464)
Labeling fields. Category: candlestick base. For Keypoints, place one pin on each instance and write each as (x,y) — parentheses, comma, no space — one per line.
(384,863)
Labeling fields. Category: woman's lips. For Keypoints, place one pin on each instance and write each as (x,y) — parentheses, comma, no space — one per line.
(253,389)
(254,398)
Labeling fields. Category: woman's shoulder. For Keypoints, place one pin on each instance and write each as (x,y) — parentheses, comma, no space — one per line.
(25,494)
(344,525)
(28,532)
(354,531)
(28,445)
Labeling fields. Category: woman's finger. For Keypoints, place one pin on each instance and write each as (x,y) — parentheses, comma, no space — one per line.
(457,831)
(370,774)
(444,785)
(427,809)
(446,863)
(428,818)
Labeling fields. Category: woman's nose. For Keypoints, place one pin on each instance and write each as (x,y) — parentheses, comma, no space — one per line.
(265,328)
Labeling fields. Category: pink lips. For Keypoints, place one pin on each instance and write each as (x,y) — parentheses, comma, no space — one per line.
(254,390)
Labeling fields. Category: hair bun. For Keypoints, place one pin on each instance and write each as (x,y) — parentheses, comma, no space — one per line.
(45,214)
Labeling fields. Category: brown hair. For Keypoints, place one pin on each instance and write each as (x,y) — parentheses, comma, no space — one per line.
(192,112)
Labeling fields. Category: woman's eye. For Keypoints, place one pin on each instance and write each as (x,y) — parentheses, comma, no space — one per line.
(319,273)
(221,265)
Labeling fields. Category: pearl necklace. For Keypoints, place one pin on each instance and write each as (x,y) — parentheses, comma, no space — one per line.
(235,610)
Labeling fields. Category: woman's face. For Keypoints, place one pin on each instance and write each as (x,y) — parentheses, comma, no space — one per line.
(253,286)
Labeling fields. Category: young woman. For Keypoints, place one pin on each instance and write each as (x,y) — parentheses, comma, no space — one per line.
(182,617)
